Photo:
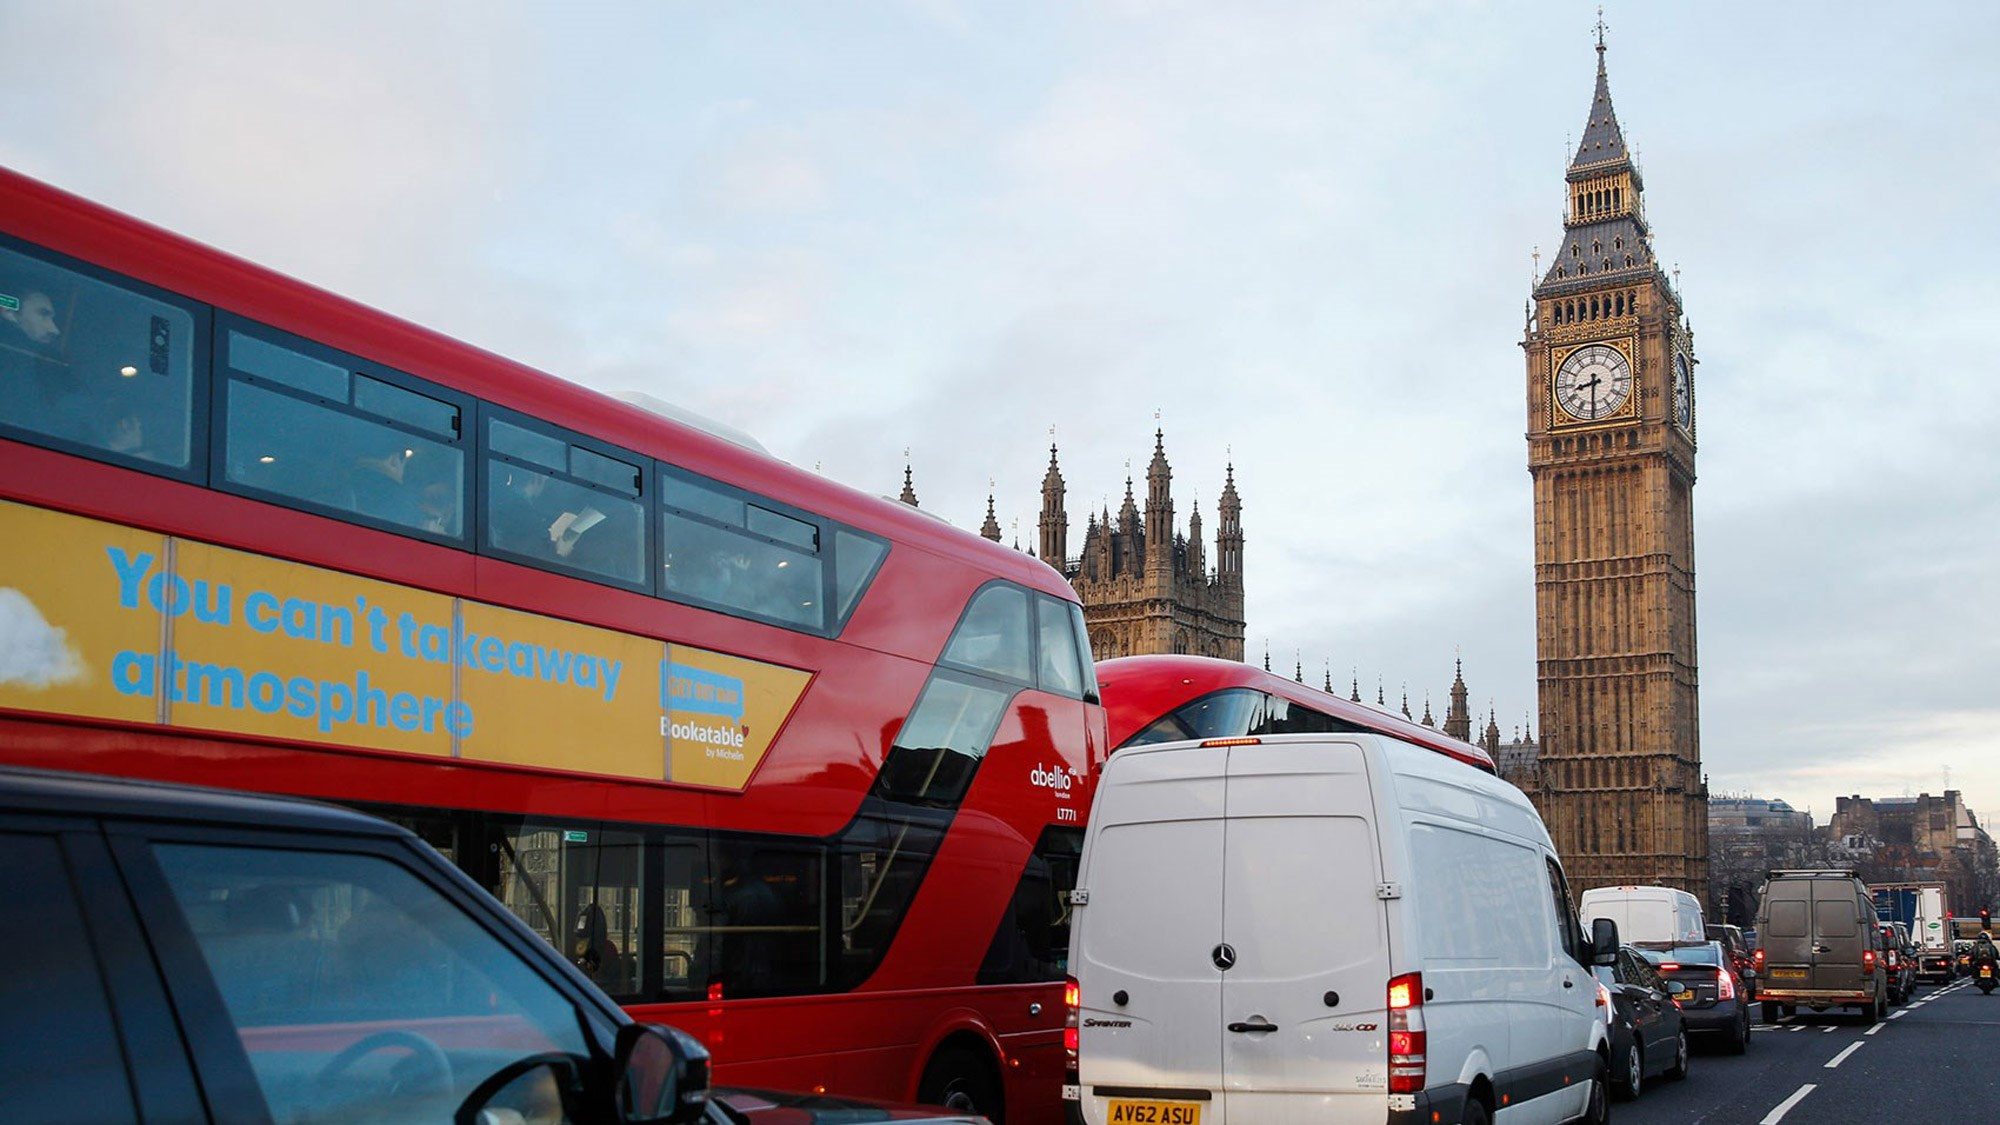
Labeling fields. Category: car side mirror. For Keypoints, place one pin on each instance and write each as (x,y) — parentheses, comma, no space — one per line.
(1603,941)
(660,1075)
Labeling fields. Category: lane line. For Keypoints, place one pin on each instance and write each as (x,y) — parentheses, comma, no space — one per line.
(1829,1029)
(1842,1056)
(1875,1029)
(1784,1107)
(1899,1015)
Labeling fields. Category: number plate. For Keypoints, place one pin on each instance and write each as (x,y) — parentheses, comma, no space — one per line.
(1788,974)
(1125,1112)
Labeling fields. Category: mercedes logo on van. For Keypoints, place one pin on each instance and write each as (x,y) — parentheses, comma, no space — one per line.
(1224,956)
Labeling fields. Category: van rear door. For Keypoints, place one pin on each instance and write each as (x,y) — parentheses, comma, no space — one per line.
(1838,937)
(1149,1016)
(1303,1019)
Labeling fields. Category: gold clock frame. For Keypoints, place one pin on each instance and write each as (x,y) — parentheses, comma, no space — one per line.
(1627,412)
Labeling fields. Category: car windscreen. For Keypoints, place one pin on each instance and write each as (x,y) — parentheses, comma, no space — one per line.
(1707,953)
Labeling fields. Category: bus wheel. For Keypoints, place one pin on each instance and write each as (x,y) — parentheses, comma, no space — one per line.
(963,1080)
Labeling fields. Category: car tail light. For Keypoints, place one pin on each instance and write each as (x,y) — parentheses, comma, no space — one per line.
(1867,961)
(1603,996)
(1669,966)
(1406,1034)
(1725,985)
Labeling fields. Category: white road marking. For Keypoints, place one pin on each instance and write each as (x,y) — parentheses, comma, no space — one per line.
(1877,1027)
(1829,1029)
(1899,1015)
(1842,1056)
(1784,1107)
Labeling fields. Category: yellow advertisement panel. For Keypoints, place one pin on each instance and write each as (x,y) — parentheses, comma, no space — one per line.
(282,650)
(78,600)
(554,693)
(720,713)
(102,621)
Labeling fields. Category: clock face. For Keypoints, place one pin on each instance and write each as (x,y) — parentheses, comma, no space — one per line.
(1683,393)
(1593,382)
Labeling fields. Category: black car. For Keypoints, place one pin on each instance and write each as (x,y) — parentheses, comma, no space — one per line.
(1648,1033)
(1710,990)
(200,955)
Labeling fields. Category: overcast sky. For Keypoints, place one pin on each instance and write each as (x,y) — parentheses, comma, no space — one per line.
(1299,232)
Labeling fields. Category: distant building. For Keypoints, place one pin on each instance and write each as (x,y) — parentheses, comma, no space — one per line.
(1146,587)
(1918,839)
(1611,452)
(1749,837)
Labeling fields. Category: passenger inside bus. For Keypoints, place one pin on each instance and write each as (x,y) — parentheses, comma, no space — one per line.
(108,384)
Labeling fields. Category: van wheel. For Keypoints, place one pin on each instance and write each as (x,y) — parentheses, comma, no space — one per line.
(1631,1074)
(961,1080)
(1770,1011)
(1597,1111)
(1679,1070)
(1475,1113)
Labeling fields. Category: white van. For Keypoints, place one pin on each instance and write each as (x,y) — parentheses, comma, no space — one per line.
(1327,928)
(1646,915)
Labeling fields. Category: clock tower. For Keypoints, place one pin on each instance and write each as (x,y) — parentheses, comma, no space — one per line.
(1611,445)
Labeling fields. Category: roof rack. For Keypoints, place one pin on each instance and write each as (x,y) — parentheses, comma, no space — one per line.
(1843,872)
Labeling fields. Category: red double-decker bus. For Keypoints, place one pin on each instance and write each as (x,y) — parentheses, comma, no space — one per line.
(798,769)
(1151,699)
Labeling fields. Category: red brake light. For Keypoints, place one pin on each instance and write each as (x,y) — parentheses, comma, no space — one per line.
(1231,741)
(1867,961)
(1072,1000)
(1406,1034)
(1758,957)
(1669,966)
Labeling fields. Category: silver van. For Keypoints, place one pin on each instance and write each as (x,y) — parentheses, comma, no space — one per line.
(1818,945)
(1328,929)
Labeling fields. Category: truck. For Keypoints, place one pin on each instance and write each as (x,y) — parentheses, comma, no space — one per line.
(1922,907)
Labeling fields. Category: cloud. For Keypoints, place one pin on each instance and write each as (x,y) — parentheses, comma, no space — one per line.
(33,653)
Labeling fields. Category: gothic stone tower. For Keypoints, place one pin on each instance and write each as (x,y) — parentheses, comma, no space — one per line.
(1144,588)
(1611,453)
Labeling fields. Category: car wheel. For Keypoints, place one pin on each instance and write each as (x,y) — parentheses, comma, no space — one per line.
(1679,1070)
(962,1080)
(1631,1074)
(1770,1012)
(1739,1042)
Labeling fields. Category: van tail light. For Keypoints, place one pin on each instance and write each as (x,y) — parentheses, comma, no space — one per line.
(1072,1000)
(1725,984)
(1867,961)
(1406,1034)
(1757,958)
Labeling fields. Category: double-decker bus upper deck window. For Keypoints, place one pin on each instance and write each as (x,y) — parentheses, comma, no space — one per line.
(1060,658)
(729,551)
(993,635)
(97,367)
(302,422)
(557,504)
(855,558)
